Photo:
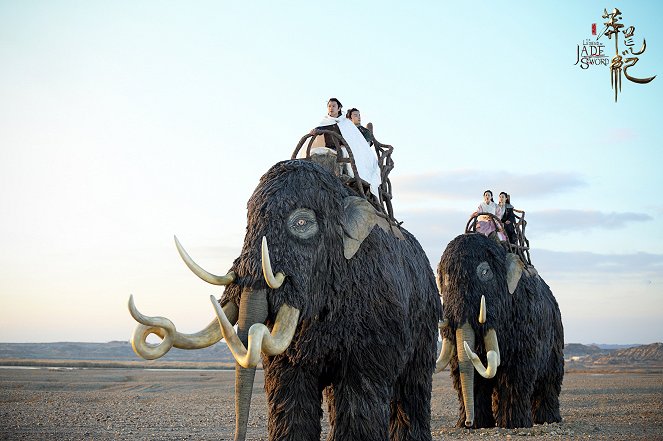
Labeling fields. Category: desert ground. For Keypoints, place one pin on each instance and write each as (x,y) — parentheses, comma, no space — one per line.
(137,404)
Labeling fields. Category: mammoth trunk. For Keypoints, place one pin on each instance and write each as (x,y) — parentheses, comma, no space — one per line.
(466,333)
(252,309)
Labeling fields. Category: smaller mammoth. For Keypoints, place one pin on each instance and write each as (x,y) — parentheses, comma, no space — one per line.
(503,321)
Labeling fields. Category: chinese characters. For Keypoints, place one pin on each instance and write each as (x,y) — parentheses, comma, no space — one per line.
(617,64)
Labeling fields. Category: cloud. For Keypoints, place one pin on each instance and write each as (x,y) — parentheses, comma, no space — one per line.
(656,209)
(555,221)
(440,224)
(470,184)
(435,228)
(620,135)
(583,262)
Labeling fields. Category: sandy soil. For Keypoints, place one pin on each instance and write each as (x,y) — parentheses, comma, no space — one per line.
(138,404)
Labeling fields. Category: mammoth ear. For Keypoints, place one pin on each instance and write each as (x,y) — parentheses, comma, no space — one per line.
(357,221)
(514,269)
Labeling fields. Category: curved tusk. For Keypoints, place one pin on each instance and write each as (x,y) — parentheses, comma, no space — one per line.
(165,329)
(160,326)
(482,310)
(197,270)
(492,356)
(490,342)
(273,282)
(445,355)
(260,339)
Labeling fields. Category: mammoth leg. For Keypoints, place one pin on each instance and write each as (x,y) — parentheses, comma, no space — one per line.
(545,399)
(512,399)
(361,409)
(483,394)
(294,398)
(545,403)
(483,403)
(411,411)
(411,405)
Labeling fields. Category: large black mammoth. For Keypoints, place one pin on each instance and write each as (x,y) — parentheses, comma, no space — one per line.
(503,322)
(351,312)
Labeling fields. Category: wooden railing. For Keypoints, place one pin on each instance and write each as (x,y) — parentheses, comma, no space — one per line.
(520,247)
(381,201)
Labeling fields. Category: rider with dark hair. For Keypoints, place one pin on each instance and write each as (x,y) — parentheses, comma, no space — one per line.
(485,224)
(334,107)
(355,116)
(508,217)
(338,108)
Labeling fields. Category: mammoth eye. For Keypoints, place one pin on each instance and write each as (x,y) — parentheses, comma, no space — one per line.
(484,273)
(302,223)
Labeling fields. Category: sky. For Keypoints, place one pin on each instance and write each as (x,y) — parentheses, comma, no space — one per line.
(125,123)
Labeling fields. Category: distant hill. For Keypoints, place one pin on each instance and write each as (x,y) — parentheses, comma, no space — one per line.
(592,357)
(580,350)
(611,346)
(577,356)
(114,350)
(652,353)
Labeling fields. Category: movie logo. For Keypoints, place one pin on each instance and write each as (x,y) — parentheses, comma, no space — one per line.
(591,53)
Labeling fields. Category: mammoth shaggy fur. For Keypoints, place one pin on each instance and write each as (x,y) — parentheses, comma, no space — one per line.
(367,333)
(528,325)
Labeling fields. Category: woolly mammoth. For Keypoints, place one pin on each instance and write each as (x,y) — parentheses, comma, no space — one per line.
(502,321)
(333,299)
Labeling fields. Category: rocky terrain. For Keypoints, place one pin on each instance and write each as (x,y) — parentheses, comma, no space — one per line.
(608,393)
(139,404)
